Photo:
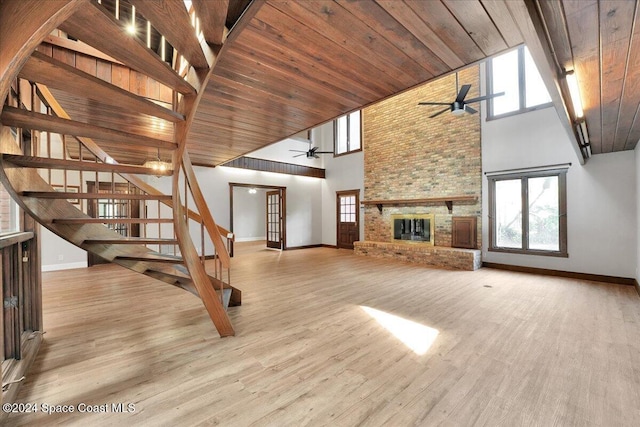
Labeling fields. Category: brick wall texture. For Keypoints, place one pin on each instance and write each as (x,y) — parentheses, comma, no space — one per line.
(410,156)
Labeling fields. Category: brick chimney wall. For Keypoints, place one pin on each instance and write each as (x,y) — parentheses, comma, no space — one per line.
(410,156)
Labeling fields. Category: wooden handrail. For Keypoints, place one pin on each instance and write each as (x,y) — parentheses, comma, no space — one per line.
(205,214)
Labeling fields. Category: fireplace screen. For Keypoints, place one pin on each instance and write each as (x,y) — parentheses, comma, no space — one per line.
(413,228)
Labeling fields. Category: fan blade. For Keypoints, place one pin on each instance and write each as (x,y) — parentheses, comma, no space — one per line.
(463,93)
(316,156)
(324,152)
(298,155)
(482,98)
(470,110)
(298,151)
(438,113)
(434,103)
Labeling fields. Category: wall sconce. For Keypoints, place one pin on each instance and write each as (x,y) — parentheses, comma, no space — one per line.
(252,191)
(574,92)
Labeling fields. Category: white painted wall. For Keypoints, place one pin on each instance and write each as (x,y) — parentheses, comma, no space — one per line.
(58,254)
(304,203)
(601,195)
(342,173)
(249,214)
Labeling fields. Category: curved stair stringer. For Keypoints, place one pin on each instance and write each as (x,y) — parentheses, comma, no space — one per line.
(18,180)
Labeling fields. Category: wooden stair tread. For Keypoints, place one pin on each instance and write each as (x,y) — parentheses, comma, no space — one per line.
(132,241)
(212,16)
(41,68)
(112,221)
(117,196)
(165,259)
(18,117)
(110,36)
(46,163)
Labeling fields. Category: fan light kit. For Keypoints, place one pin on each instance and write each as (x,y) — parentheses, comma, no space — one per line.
(459,106)
(311,153)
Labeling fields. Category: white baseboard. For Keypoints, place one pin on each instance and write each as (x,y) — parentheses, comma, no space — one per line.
(68,266)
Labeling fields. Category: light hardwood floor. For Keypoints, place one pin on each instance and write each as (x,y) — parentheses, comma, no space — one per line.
(512,349)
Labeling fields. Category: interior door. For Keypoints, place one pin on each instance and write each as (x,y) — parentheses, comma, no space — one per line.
(274,219)
(348,214)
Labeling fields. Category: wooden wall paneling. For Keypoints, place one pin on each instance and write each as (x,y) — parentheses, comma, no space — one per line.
(153,89)
(23,26)
(76,83)
(137,83)
(108,35)
(45,49)
(64,55)
(120,76)
(103,70)
(616,25)
(87,64)
(631,102)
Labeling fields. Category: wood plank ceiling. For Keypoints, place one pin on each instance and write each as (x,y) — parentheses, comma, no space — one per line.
(298,64)
(600,40)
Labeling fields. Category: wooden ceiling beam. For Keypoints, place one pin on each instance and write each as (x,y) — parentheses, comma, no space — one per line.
(110,36)
(213,16)
(12,116)
(171,19)
(526,17)
(41,68)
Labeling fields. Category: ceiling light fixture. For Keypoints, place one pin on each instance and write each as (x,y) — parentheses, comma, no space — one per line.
(574,92)
(158,165)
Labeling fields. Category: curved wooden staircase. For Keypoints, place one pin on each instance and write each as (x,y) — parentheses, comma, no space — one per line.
(34,85)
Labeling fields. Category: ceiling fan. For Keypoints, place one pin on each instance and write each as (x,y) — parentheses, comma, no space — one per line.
(459,105)
(311,153)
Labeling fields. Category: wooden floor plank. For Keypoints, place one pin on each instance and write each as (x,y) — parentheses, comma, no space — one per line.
(512,348)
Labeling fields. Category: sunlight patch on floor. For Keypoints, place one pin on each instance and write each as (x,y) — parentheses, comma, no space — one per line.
(416,336)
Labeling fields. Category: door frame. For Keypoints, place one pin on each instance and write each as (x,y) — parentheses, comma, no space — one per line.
(355,192)
(283,197)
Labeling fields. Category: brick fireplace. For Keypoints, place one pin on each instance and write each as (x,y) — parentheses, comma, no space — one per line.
(414,164)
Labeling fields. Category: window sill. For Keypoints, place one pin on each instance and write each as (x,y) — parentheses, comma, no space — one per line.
(557,254)
(517,112)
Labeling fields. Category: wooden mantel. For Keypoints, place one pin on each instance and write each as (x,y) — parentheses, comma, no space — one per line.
(448,200)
